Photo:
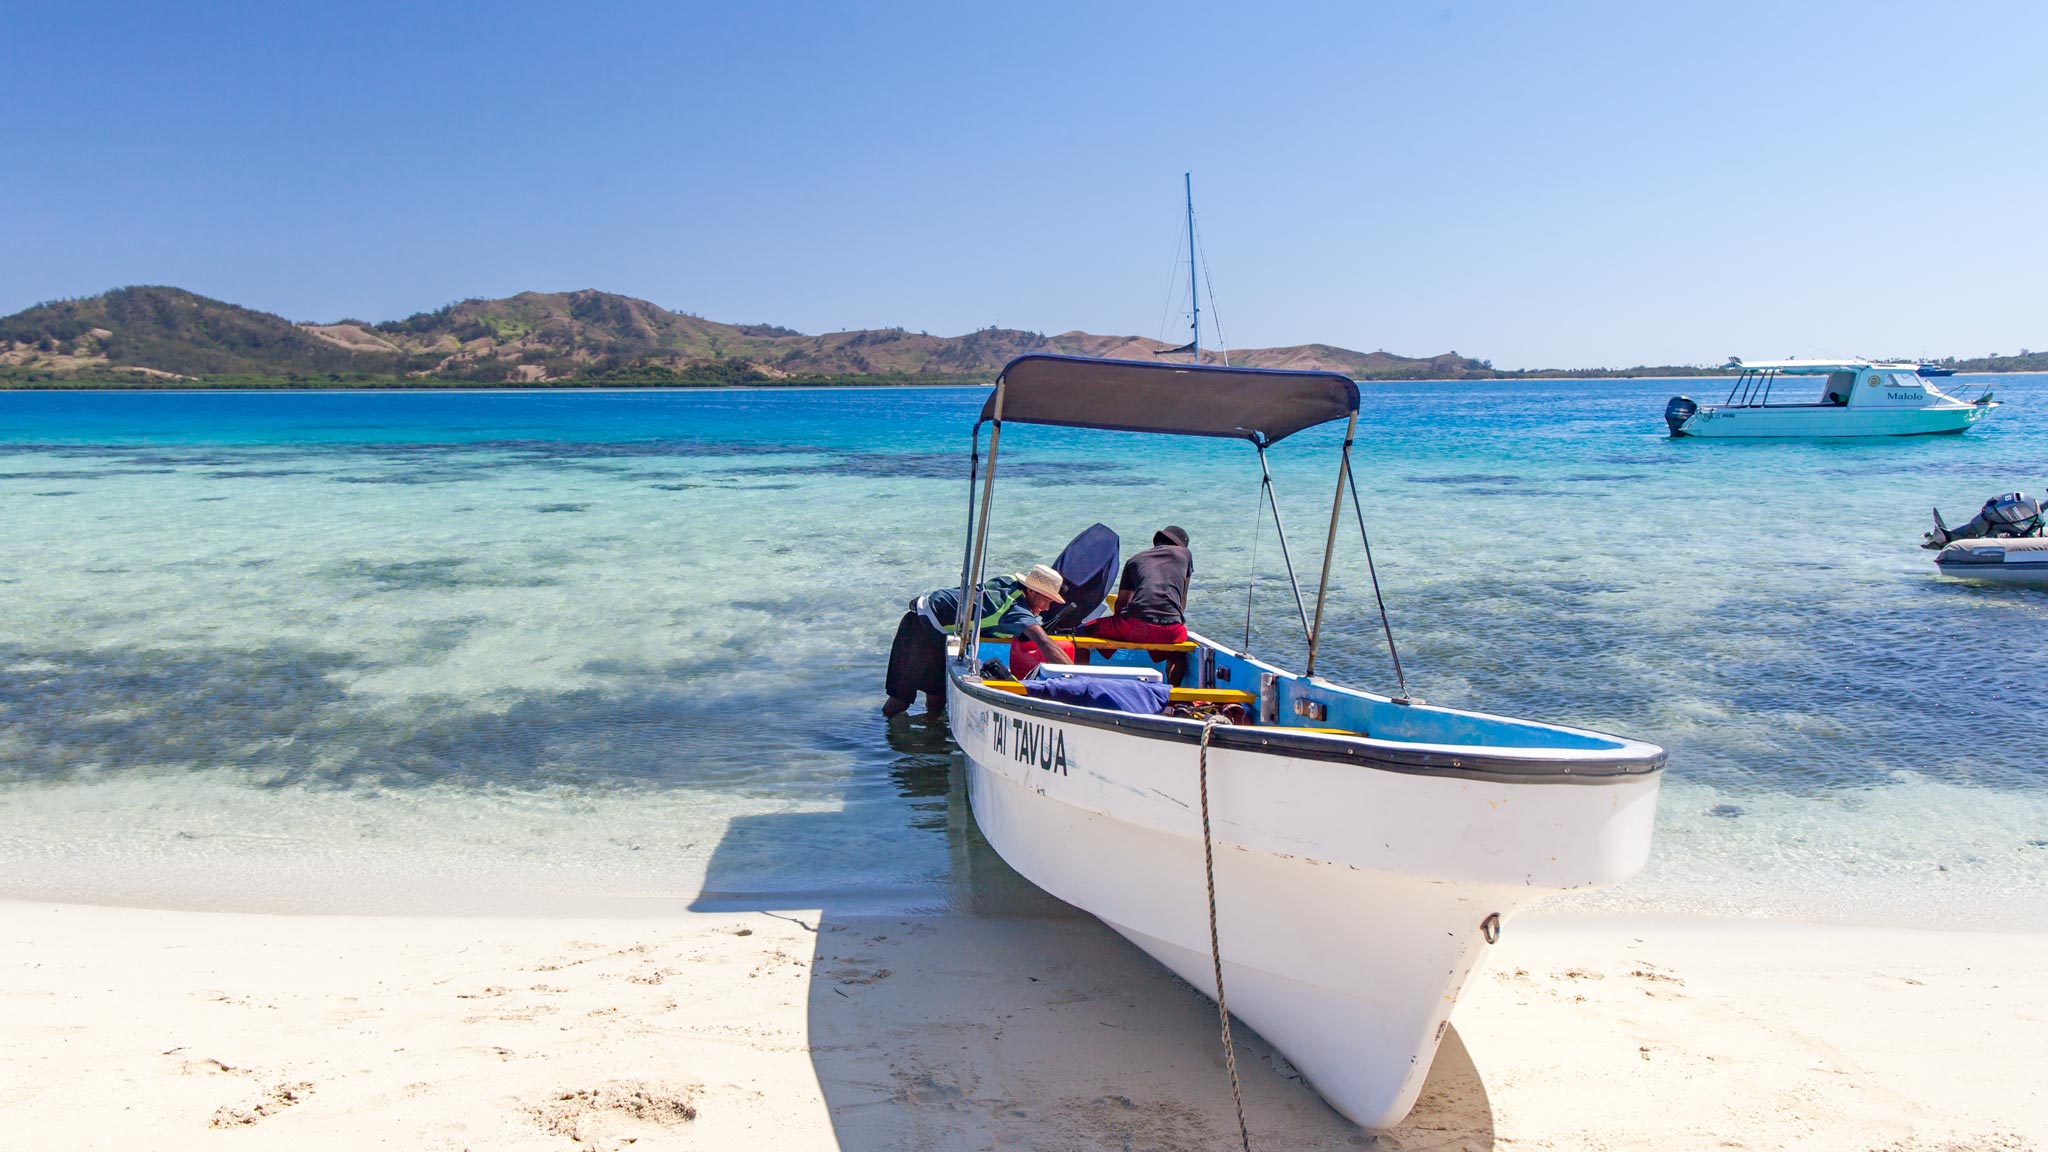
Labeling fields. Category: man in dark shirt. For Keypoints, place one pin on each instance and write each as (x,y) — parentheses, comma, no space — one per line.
(1151,599)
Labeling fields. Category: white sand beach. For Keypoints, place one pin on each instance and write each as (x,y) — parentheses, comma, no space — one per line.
(124,1028)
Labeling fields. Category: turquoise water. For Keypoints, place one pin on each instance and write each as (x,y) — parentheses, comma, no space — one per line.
(564,652)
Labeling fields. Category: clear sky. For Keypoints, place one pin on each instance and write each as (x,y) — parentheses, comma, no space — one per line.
(1564,184)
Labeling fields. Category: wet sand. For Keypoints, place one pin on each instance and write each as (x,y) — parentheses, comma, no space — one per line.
(123,1028)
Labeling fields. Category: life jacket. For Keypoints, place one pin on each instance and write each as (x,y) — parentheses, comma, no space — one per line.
(987,622)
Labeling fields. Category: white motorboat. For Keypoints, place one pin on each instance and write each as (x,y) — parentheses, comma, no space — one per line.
(1366,848)
(1857,398)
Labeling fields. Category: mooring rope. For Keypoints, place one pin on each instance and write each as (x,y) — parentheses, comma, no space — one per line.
(1215,948)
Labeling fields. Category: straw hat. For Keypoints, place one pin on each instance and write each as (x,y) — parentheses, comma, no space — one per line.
(1046,582)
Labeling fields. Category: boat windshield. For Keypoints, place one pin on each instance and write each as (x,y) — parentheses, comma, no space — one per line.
(1839,385)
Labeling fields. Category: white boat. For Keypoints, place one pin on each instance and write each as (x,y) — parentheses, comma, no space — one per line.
(2017,560)
(1367,848)
(1857,398)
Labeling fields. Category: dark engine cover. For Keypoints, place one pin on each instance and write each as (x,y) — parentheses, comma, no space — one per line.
(1678,411)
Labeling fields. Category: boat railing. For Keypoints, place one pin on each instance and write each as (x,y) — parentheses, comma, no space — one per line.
(1304,704)
(1752,389)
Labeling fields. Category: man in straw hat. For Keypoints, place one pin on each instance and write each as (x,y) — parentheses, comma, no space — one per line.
(1012,608)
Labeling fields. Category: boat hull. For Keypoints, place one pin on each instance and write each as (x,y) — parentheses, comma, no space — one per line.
(1823,420)
(2015,575)
(1351,901)
(1997,560)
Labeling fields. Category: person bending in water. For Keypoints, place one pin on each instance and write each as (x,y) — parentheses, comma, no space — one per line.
(1012,608)
(1151,600)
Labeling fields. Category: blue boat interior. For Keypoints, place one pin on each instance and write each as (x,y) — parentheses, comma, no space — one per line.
(1339,712)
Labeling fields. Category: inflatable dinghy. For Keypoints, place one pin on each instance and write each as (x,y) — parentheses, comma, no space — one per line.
(2003,544)
(2019,560)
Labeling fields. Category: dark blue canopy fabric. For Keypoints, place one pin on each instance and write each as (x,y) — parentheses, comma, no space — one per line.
(1116,693)
(1087,566)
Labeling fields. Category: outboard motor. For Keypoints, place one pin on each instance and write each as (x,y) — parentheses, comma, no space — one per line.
(2010,515)
(1678,411)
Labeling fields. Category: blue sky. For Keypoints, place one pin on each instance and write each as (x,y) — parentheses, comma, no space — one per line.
(1538,184)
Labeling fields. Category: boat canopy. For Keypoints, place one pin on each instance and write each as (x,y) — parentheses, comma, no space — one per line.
(1263,405)
(1815,367)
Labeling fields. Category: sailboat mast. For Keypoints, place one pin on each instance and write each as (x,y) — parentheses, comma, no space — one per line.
(1194,295)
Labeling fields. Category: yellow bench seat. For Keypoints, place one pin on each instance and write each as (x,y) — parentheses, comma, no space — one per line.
(1176,695)
(1099,644)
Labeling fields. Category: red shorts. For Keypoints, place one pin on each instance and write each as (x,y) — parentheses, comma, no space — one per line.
(1024,656)
(1134,631)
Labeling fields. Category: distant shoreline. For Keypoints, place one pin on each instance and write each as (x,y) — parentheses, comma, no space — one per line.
(466,386)
(393,386)
(163,337)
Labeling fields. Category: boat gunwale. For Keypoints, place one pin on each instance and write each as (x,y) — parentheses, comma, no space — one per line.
(1946,404)
(1450,761)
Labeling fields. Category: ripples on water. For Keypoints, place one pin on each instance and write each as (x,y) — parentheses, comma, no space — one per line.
(622,651)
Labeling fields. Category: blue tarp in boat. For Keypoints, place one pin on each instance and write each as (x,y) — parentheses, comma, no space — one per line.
(1116,693)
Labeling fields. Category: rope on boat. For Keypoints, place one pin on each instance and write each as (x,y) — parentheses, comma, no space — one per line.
(1215,948)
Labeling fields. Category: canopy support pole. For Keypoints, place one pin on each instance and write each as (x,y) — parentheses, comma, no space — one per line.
(1399,678)
(1279,529)
(970,605)
(973,476)
(1258,522)
(1315,634)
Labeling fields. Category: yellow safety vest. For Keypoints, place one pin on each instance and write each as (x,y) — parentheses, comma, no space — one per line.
(989,620)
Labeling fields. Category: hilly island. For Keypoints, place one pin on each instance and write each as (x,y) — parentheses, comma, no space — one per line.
(151,336)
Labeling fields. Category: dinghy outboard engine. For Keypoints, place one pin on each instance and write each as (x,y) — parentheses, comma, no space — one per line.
(1678,411)
(2009,516)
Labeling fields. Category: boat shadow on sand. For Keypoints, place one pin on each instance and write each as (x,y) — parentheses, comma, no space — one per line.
(1005,1018)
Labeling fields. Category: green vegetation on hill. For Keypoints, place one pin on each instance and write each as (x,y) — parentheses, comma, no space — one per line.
(2024,362)
(167,337)
(169,330)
